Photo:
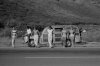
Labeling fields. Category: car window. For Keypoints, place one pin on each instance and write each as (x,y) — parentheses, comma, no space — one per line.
(58,29)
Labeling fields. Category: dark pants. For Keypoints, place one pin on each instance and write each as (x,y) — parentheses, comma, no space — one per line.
(29,40)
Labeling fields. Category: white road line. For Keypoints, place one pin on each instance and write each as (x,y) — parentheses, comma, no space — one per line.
(60,57)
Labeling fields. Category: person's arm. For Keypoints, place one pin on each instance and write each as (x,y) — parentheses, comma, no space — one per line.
(52,31)
(11,33)
(38,32)
(62,33)
(67,35)
(47,30)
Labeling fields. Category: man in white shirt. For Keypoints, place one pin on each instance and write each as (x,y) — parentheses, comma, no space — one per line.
(50,30)
(28,34)
(29,30)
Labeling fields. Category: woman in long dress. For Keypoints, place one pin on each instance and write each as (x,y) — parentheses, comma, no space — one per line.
(36,37)
(64,37)
(72,36)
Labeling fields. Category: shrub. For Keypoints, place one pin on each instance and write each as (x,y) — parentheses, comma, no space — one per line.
(6,32)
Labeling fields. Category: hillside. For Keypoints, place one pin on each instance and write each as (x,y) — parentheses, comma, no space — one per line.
(49,12)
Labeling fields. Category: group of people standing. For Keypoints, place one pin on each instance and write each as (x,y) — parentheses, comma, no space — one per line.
(34,34)
(67,35)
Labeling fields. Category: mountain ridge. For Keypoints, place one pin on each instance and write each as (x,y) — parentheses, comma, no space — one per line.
(51,11)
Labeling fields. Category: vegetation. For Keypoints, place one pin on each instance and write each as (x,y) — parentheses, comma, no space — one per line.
(41,13)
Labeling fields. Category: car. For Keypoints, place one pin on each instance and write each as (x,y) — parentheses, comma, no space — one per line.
(57,35)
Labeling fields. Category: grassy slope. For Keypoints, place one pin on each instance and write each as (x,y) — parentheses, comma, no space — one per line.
(68,11)
(50,11)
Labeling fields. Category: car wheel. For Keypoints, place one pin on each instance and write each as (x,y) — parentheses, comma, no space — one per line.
(68,44)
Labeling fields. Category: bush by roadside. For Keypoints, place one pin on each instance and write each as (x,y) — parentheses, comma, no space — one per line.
(92,33)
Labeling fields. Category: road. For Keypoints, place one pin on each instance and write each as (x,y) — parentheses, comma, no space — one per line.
(49,57)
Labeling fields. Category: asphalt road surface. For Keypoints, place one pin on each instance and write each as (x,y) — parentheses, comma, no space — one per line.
(49,57)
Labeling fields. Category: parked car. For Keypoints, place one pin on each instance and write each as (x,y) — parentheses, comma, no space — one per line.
(57,35)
